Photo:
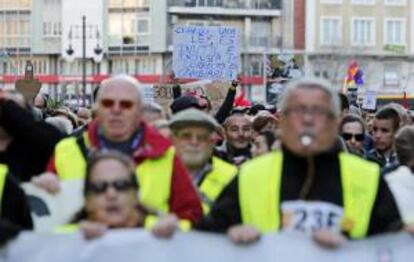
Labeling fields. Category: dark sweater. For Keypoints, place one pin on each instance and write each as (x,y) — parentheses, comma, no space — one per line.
(33,141)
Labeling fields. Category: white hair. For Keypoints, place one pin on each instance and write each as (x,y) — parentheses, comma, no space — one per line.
(310,83)
(123,78)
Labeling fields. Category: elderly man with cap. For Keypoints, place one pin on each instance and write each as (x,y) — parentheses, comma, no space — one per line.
(309,185)
(119,125)
(193,136)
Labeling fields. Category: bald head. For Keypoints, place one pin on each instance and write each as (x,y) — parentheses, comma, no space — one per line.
(119,107)
(122,81)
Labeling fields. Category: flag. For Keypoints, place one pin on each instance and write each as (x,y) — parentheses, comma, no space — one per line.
(355,75)
(352,71)
(405,100)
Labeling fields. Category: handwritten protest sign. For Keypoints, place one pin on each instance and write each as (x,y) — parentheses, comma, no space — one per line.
(370,100)
(207,52)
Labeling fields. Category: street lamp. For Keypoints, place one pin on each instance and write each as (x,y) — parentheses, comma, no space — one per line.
(97,50)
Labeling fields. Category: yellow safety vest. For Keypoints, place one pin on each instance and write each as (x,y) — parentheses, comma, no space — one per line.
(215,181)
(259,192)
(153,175)
(3,173)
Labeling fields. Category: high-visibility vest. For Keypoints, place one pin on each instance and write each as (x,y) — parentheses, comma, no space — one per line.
(3,173)
(215,181)
(153,175)
(260,191)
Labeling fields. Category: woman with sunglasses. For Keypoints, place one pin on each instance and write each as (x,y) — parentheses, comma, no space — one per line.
(111,200)
(352,130)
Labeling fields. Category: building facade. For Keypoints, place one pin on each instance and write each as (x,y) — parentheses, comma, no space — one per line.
(378,34)
(135,37)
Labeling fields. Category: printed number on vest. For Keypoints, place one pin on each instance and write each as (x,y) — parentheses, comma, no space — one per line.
(306,216)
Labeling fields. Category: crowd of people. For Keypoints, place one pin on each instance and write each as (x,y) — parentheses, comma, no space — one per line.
(312,163)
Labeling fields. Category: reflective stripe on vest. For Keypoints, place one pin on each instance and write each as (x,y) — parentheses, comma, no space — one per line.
(3,175)
(260,199)
(67,229)
(154,175)
(213,184)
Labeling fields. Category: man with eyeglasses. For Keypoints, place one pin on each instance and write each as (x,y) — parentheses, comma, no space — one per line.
(309,185)
(119,125)
(352,131)
(193,136)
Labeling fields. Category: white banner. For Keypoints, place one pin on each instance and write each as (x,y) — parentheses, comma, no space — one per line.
(138,245)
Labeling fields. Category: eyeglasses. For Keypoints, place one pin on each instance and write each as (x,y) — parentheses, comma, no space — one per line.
(123,104)
(313,111)
(118,185)
(348,136)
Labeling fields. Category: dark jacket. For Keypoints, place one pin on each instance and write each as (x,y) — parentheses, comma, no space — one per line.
(33,141)
(232,155)
(326,187)
(14,206)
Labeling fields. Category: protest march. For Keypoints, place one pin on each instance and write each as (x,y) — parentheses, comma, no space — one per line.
(206,130)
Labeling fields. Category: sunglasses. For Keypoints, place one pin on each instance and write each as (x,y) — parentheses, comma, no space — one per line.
(118,185)
(348,136)
(123,104)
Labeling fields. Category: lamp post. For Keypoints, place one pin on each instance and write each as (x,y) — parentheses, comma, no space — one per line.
(97,50)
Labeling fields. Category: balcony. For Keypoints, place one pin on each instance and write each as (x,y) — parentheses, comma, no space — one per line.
(226,7)
(128,44)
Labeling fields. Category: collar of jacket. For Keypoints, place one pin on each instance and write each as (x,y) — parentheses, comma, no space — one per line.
(153,144)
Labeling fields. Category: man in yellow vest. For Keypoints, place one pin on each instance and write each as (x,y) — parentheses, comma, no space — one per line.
(119,125)
(308,185)
(193,136)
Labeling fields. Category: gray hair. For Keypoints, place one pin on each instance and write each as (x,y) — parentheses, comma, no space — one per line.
(61,123)
(310,83)
(123,78)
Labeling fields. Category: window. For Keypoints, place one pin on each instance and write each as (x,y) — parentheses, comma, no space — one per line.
(394,33)
(363,31)
(331,31)
(363,2)
(396,2)
(142,26)
(52,28)
(260,33)
(391,74)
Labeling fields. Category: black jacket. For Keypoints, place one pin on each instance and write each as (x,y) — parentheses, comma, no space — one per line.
(326,187)
(14,212)
(33,141)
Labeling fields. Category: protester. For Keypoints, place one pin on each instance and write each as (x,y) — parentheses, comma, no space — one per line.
(162,125)
(25,142)
(401,180)
(308,177)
(264,121)
(263,143)
(385,126)
(84,116)
(352,130)
(119,126)
(153,112)
(238,133)
(111,199)
(203,103)
(193,136)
